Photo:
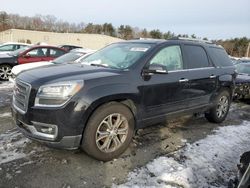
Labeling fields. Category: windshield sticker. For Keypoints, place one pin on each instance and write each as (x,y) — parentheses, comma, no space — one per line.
(138,49)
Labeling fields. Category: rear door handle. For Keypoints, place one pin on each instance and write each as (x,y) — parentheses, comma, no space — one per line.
(212,76)
(183,80)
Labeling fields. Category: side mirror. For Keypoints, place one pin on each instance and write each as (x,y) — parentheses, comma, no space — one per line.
(155,69)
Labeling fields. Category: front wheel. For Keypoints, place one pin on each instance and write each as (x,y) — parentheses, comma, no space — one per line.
(219,112)
(5,72)
(108,132)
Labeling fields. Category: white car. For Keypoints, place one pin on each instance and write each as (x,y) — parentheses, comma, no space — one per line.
(72,56)
(11,46)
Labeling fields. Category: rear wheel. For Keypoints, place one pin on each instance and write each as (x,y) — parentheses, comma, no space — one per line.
(109,131)
(5,72)
(219,112)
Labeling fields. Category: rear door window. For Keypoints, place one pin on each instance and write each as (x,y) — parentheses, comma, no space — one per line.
(196,57)
(56,52)
(20,46)
(16,47)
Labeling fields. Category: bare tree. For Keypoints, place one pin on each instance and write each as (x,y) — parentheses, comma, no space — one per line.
(4,21)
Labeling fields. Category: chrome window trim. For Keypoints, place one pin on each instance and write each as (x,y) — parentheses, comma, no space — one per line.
(202,68)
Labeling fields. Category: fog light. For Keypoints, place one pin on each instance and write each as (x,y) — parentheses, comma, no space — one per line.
(48,130)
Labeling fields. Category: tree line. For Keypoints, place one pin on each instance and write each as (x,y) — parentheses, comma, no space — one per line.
(235,47)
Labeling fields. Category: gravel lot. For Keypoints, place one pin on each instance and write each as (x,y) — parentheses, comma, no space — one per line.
(25,163)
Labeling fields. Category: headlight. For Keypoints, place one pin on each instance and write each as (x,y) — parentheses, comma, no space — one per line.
(57,94)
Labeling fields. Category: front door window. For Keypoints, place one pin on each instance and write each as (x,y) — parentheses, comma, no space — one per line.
(170,57)
(38,52)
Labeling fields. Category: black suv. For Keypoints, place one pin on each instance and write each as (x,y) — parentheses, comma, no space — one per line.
(99,103)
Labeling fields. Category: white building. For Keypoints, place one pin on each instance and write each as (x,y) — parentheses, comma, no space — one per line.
(92,41)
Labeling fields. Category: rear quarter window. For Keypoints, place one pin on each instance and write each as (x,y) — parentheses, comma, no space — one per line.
(220,57)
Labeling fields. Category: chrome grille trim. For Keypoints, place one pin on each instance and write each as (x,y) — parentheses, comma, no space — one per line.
(21,93)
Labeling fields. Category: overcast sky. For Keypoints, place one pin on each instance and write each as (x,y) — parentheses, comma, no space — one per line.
(215,19)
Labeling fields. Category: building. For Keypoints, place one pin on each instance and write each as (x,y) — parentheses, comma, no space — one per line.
(92,41)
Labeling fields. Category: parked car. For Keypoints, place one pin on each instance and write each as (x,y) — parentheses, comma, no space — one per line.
(83,50)
(70,57)
(242,180)
(245,60)
(98,104)
(10,47)
(242,89)
(69,47)
(27,55)
(244,171)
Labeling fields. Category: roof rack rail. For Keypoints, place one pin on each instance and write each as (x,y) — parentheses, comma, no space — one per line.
(141,38)
(192,39)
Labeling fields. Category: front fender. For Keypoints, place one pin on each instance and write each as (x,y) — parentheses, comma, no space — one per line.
(100,95)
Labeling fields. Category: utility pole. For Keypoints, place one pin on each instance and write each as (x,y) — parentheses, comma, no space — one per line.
(248,48)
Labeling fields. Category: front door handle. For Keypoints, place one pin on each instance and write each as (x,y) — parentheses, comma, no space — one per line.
(212,76)
(183,80)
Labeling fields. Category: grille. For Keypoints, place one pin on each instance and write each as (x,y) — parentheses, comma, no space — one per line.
(21,94)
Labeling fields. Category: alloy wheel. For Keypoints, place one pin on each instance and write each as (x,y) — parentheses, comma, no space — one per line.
(112,132)
(5,72)
(222,107)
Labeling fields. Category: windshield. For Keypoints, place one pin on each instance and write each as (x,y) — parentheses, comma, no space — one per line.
(19,51)
(69,57)
(118,56)
(243,68)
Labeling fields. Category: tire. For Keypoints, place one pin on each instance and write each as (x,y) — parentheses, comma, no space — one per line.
(5,72)
(109,131)
(219,112)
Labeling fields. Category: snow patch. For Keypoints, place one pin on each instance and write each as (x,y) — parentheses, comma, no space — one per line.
(6,85)
(210,162)
(11,146)
(6,114)
(14,145)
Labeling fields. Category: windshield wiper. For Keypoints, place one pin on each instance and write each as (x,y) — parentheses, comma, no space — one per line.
(99,65)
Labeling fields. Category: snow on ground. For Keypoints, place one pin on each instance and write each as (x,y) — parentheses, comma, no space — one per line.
(210,162)
(12,144)
(6,93)
(6,114)
(4,100)
(6,85)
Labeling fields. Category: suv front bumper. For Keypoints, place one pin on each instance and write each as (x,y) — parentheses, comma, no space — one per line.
(45,133)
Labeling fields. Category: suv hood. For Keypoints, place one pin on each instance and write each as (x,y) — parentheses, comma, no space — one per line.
(66,72)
